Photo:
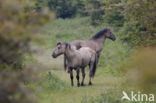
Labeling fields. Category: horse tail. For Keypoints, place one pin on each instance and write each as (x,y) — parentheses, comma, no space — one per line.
(65,63)
(94,65)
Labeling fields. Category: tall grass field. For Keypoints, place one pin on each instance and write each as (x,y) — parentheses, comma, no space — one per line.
(54,84)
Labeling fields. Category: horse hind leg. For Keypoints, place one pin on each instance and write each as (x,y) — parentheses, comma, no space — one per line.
(77,77)
(83,76)
(90,72)
(92,67)
(90,78)
(71,77)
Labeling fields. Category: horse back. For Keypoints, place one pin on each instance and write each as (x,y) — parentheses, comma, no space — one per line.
(85,43)
(86,54)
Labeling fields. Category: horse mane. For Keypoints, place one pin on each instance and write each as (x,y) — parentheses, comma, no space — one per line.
(99,34)
(67,45)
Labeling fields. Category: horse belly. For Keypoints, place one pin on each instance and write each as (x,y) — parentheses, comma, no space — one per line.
(76,62)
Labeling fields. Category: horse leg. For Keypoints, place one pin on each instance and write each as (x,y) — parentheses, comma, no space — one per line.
(90,73)
(77,77)
(83,76)
(90,83)
(71,76)
(98,55)
(65,63)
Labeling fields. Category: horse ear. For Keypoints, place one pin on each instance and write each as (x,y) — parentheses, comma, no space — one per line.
(58,43)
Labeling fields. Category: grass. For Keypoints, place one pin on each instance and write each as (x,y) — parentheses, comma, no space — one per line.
(55,83)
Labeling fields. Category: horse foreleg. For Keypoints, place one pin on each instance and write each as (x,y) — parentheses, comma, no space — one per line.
(83,76)
(65,63)
(90,73)
(71,77)
(77,77)
(98,56)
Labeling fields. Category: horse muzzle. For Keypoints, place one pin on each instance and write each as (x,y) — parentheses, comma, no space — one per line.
(113,38)
(53,55)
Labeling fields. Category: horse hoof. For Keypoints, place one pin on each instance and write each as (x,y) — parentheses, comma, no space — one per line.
(90,83)
(82,84)
(78,84)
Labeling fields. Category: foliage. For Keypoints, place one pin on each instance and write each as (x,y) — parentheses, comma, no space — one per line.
(39,5)
(140,71)
(127,34)
(95,11)
(138,14)
(137,19)
(142,15)
(17,25)
(12,88)
(62,8)
(114,17)
(107,12)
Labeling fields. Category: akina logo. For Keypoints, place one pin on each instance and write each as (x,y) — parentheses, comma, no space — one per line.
(137,97)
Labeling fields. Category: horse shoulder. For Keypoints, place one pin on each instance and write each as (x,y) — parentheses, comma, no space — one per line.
(76,58)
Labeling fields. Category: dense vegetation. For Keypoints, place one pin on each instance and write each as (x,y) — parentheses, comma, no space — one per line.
(136,18)
(17,24)
(24,55)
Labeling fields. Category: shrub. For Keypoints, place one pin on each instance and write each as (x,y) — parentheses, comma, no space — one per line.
(17,25)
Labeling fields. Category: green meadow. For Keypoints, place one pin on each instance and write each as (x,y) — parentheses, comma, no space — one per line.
(30,30)
(54,84)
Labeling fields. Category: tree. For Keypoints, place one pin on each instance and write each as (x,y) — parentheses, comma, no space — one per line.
(62,8)
(142,13)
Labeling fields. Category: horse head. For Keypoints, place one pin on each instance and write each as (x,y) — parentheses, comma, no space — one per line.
(109,34)
(60,49)
(104,33)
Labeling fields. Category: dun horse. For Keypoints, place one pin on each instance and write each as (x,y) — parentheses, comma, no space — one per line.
(77,59)
(95,43)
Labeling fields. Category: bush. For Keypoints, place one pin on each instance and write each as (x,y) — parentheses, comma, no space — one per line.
(17,25)
(114,17)
(142,14)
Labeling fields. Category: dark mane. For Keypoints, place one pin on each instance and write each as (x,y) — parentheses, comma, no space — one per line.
(99,34)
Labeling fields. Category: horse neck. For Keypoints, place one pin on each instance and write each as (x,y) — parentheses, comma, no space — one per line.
(100,40)
(69,53)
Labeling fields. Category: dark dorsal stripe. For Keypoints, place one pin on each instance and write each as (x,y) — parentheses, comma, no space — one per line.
(99,34)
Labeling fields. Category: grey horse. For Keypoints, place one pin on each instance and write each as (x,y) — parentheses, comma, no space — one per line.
(95,43)
(77,59)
